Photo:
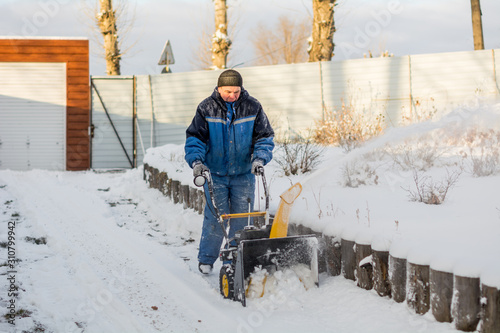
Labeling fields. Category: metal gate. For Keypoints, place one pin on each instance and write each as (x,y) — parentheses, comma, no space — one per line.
(113,118)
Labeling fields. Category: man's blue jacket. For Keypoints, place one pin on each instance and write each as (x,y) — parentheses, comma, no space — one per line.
(228,148)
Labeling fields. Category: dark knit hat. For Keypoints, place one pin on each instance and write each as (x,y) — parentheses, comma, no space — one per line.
(231,78)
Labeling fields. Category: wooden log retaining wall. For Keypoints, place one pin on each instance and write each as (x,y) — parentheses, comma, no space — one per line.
(189,197)
(464,301)
(397,278)
(417,288)
(441,290)
(381,273)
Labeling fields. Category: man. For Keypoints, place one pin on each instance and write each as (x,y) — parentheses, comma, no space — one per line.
(231,136)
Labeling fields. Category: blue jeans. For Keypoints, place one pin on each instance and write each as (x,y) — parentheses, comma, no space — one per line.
(231,195)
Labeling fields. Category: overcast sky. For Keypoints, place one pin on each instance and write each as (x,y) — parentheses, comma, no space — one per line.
(400,26)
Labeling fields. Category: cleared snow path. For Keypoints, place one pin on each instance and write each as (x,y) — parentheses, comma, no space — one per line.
(100,276)
(122,258)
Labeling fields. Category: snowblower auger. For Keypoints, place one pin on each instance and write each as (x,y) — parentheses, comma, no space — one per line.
(266,247)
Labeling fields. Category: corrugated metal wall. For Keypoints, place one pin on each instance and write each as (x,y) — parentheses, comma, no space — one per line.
(32,116)
(373,86)
(402,89)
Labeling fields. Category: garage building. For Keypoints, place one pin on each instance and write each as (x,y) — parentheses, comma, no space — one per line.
(44,103)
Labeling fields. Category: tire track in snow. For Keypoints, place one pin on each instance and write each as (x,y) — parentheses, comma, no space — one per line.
(122,274)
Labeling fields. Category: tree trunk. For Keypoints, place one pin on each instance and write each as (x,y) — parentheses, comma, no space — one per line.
(220,41)
(477,25)
(321,47)
(106,20)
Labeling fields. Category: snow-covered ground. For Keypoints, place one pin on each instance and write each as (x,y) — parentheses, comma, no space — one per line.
(120,257)
(102,252)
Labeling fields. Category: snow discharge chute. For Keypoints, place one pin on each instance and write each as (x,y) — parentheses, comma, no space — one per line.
(280,224)
(261,252)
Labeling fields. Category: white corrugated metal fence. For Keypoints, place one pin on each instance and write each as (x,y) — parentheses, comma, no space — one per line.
(402,89)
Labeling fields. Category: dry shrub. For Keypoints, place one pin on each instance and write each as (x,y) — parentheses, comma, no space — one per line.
(429,191)
(483,151)
(420,112)
(355,174)
(421,154)
(298,156)
(347,128)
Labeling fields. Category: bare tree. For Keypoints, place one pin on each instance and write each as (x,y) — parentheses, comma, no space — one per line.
(202,55)
(285,43)
(106,20)
(220,40)
(477,25)
(321,45)
(202,52)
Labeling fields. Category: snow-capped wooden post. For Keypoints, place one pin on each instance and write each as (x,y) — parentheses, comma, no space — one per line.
(490,309)
(201,201)
(381,283)
(348,259)
(175,191)
(162,182)
(185,196)
(397,278)
(152,177)
(181,194)
(364,266)
(417,288)
(193,197)
(148,174)
(145,172)
(168,188)
(441,289)
(465,305)
(333,255)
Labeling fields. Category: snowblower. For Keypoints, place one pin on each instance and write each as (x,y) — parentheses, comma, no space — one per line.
(260,246)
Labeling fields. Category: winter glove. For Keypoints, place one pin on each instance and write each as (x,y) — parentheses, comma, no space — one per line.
(257,167)
(199,168)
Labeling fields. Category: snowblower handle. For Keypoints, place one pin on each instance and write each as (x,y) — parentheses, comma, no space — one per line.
(200,180)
